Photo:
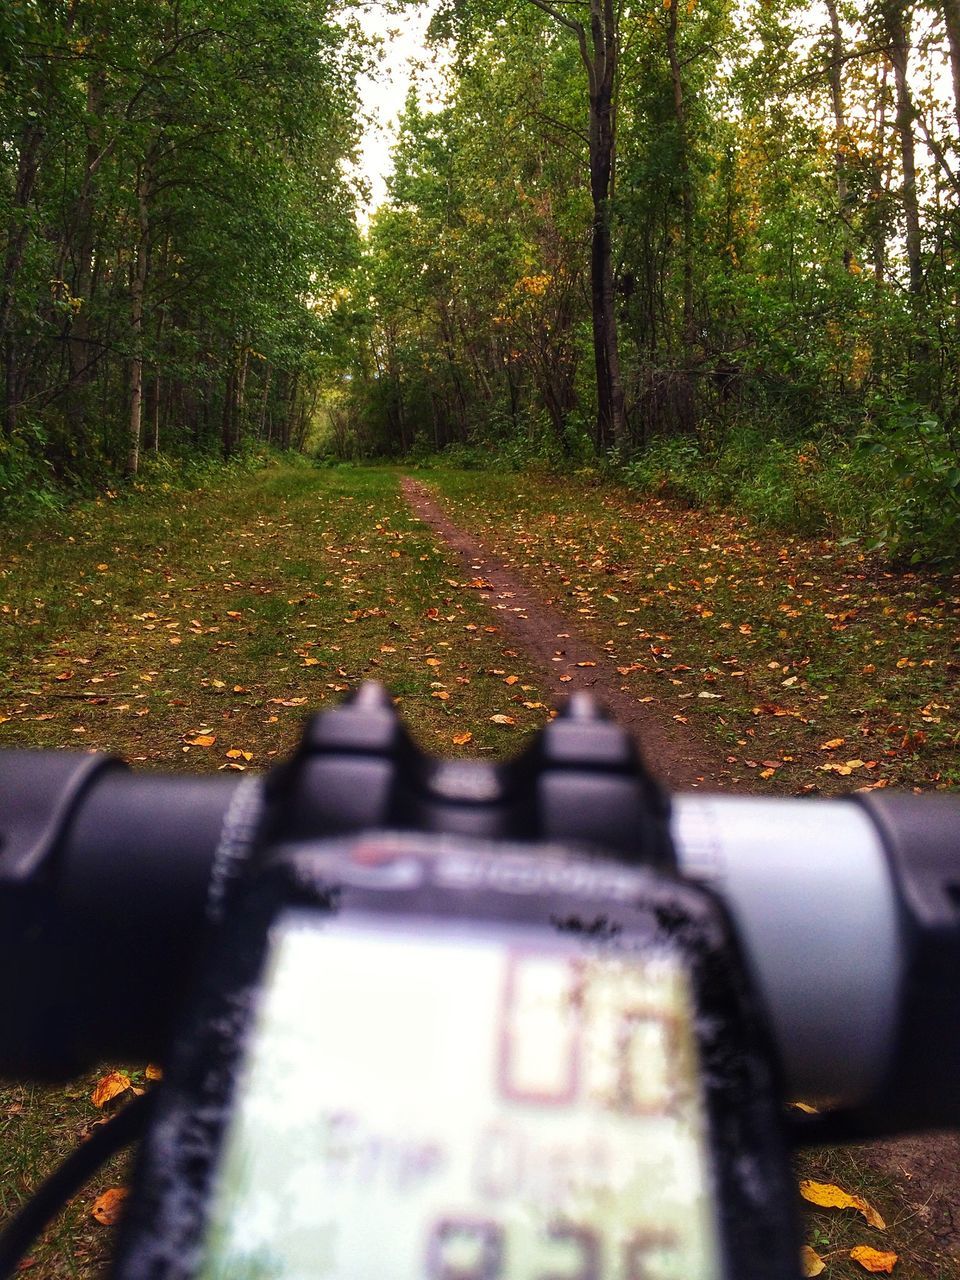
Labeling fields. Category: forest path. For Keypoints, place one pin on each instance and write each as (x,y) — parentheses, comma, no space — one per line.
(569,662)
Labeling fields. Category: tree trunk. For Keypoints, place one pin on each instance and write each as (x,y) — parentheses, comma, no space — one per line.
(686,185)
(18,227)
(899,53)
(602,67)
(138,284)
(951,14)
(834,69)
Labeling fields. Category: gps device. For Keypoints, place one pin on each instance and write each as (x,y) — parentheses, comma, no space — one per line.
(439,1059)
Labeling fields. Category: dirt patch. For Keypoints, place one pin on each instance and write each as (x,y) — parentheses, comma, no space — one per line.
(569,662)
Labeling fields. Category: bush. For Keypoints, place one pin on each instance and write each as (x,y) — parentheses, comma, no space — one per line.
(896,486)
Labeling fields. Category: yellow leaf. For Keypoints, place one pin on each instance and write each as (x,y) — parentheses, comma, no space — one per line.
(586,664)
(461,739)
(153,1072)
(110,1086)
(811,1264)
(500,719)
(441,694)
(108,1206)
(287,702)
(511,680)
(236,754)
(805,1107)
(767,773)
(234,613)
(202,740)
(832,744)
(311,662)
(388,648)
(874,1259)
(433,662)
(828,1196)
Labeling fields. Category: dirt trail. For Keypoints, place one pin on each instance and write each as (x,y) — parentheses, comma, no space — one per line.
(925,1169)
(677,757)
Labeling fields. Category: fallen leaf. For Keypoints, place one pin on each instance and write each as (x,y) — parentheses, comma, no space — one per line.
(202,740)
(565,679)
(287,702)
(805,1107)
(64,675)
(874,1259)
(767,773)
(511,680)
(811,1264)
(110,1086)
(108,1206)
(236,754)
(433,662)
(153,1072)
(832,744)
(501,719)
(829,1196)
(480,584)
(311,662)
(586,664)
(441,694)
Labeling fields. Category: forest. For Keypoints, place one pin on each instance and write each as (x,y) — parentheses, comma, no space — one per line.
(710,244)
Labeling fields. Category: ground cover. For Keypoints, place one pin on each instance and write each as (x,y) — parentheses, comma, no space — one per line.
(814,667)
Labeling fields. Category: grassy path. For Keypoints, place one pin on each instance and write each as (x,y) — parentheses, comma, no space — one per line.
(155,624)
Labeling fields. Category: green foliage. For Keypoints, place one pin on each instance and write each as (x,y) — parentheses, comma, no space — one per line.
(176,216)
(897,490)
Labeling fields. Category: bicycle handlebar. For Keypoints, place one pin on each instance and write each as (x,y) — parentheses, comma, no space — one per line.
(848,911)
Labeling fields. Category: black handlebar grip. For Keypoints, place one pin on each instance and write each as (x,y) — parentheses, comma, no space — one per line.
(104,883)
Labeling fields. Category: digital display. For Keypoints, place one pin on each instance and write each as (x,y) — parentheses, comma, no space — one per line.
(424,1101)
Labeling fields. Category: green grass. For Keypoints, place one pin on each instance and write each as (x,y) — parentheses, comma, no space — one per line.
(771,645)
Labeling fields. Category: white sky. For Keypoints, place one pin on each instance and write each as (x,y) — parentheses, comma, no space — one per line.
(404,57)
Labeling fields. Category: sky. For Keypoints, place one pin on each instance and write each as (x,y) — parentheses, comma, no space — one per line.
(403,58)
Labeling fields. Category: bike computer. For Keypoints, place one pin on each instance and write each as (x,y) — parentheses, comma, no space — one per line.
(444,1060)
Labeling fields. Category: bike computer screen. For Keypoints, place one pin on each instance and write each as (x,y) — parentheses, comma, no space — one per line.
(432,1099)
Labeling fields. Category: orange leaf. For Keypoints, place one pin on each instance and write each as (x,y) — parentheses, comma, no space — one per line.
(202,740)
(108,1206)
(236,754)
(110,1086)
(811,1264)
(873,1259)
(461,739)
(311,662)
(287,702)
(586,664)
(829,1196)
(153,1072)
(441,694)
(832,744)
(500,719)
(511,680)
(433,662)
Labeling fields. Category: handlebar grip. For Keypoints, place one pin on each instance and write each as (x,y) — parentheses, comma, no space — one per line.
(849,917)
(104,883)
